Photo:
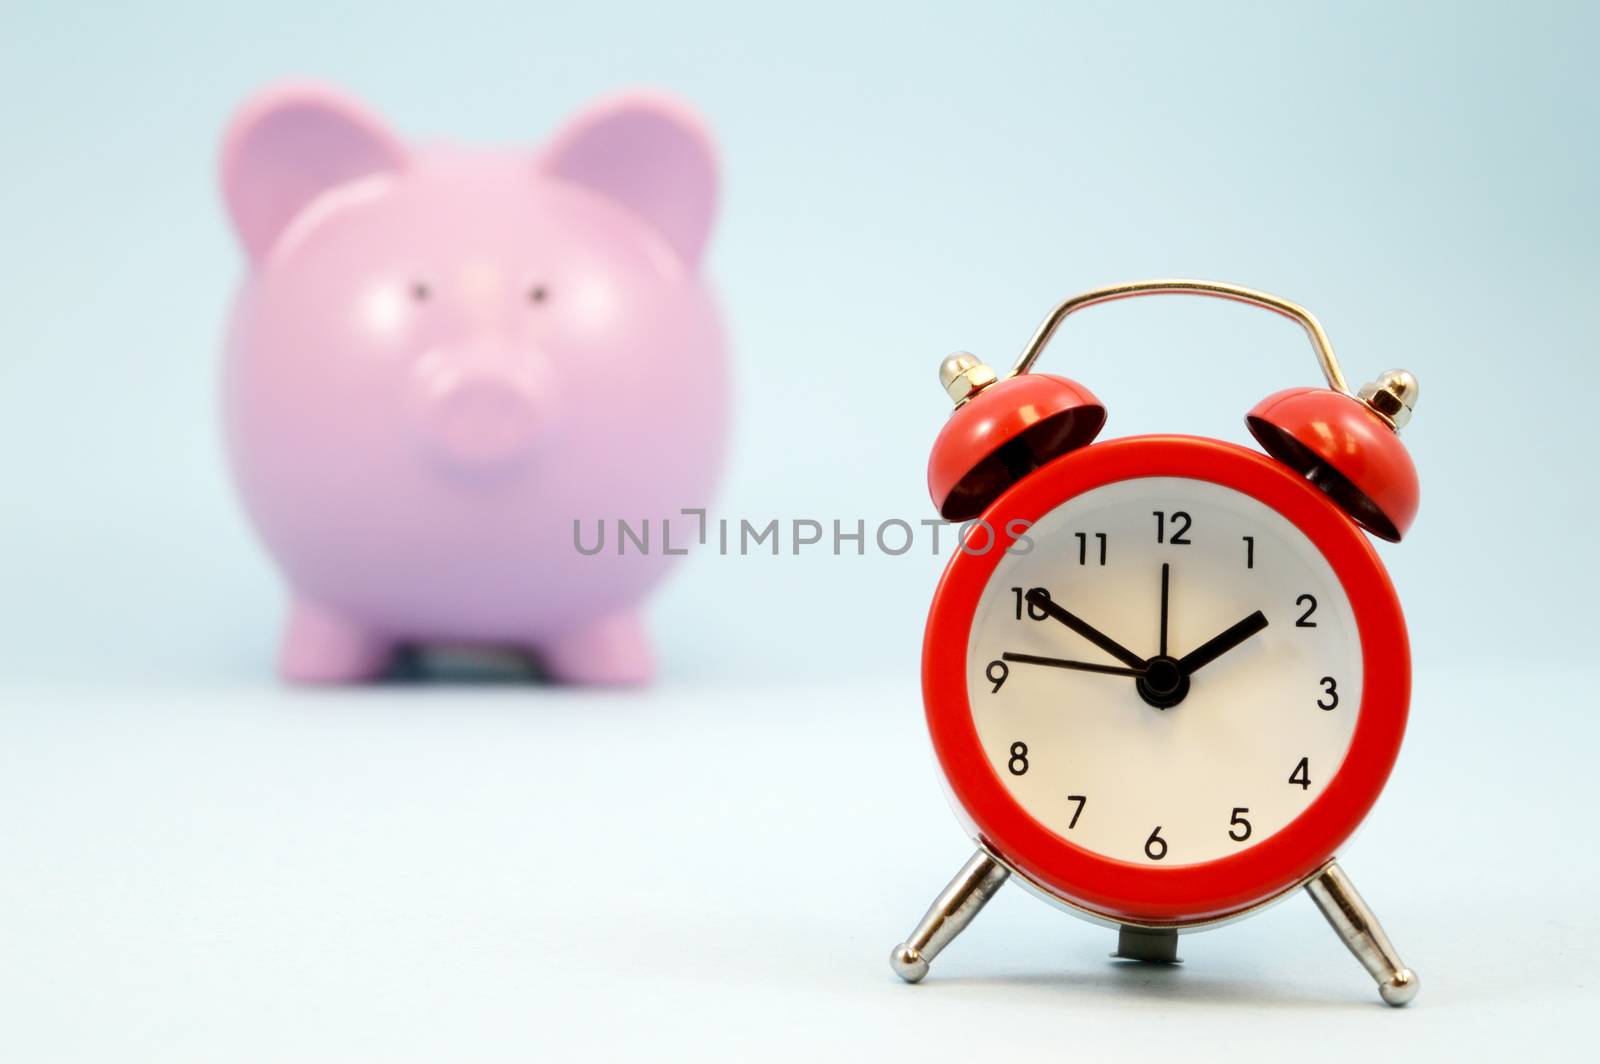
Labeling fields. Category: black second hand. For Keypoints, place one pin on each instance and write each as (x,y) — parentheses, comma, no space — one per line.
(1062,663)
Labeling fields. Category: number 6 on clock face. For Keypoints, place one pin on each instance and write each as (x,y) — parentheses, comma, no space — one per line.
(1194,719)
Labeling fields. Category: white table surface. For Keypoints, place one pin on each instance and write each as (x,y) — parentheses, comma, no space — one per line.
(491,871)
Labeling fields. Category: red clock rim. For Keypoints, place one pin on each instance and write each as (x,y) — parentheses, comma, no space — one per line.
(1207,890)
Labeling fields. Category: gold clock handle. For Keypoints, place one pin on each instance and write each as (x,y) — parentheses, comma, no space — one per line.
(1292,311)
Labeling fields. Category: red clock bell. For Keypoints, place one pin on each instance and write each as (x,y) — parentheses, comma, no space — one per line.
(1166,677)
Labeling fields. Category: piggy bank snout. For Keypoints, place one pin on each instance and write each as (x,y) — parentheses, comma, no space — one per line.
(482,409)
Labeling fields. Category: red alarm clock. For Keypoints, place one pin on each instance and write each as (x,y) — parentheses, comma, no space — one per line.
(1166,677)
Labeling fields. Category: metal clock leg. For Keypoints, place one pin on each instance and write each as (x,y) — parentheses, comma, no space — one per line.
(949,915)
(1345,909)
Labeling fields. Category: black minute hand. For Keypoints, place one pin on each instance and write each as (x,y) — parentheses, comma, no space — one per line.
(1220,644)
(1040,598)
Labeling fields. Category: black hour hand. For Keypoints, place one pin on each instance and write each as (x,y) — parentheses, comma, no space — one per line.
(1039,598)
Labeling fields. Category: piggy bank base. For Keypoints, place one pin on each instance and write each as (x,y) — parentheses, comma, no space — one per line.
(322,648)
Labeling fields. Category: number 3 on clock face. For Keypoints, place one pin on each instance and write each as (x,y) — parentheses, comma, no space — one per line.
(1172,694)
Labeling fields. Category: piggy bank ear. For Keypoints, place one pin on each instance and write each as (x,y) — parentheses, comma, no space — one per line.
(651,154)
(288,145)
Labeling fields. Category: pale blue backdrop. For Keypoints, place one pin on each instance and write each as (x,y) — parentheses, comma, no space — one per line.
(197,864)
(901,181)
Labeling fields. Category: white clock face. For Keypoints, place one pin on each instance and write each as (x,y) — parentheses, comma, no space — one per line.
(1192,751)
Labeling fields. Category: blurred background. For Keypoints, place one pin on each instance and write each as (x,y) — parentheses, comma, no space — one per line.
(198,863)
(900,182)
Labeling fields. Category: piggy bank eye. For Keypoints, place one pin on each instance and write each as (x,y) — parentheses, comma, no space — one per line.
(419,291)
(538,294)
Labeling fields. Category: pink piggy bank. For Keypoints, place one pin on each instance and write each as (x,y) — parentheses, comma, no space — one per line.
(442,358)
